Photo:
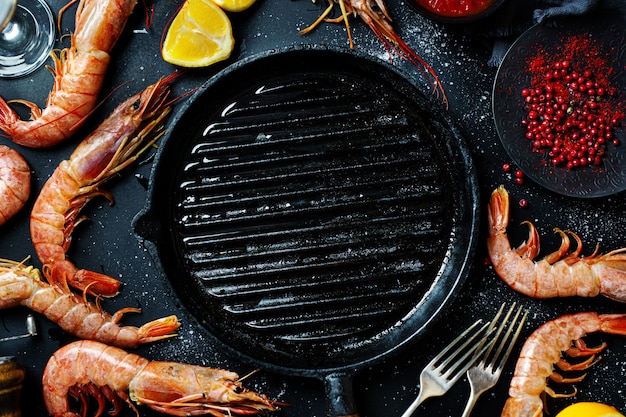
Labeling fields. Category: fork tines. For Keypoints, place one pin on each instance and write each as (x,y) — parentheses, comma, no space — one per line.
(495,355)
(444,370)
(486,372)
(489,344)
(464,355)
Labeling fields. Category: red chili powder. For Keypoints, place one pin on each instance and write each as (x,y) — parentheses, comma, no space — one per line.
(581,50)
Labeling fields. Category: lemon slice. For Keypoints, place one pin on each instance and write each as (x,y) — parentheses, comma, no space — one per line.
(589,409)
(200,35)
(234,5)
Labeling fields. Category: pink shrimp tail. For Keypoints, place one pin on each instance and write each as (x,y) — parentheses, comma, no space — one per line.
(8,116)
(61,273)
(158,329)
(498,211)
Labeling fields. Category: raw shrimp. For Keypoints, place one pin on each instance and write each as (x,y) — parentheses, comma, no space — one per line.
(21,285)
(132,128)
(78,76)
(14,183)
(375,14)
(543,349)
(86,368)
(559,274)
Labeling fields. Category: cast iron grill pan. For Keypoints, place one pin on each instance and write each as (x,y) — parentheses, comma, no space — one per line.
(312,217)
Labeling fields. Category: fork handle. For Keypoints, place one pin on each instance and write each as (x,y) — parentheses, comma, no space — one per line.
(416,403)
(470,402)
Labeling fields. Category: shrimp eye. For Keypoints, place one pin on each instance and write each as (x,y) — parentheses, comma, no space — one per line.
(137,104)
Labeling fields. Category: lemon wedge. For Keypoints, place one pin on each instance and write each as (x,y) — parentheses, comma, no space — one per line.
(200,35)
(234,5)
(589,409)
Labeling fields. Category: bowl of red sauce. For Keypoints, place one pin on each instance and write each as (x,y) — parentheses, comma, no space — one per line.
(456,11)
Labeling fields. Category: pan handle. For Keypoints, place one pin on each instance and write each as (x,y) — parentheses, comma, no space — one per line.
(339,395)
(146,225)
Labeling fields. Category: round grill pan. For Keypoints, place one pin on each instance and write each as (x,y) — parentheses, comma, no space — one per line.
(314,211)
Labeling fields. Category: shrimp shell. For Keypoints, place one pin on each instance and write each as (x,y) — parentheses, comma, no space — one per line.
(559,274)
(21,285)
(544,348)
(78,76)
(129,131)
(86,368)
(14,183)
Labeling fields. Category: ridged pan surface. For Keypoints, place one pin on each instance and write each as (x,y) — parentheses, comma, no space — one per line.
(312,209)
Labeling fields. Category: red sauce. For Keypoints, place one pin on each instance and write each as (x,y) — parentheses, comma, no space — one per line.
(455,8)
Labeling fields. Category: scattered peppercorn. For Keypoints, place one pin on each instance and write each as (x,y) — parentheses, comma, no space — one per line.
(570,111)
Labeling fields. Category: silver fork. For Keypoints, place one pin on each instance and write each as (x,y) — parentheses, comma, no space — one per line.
(486,372)
(445,369)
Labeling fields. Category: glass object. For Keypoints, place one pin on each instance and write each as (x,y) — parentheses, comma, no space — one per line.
(27,36)
(12,376)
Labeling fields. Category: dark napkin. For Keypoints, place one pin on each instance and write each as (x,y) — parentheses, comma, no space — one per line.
(516,16)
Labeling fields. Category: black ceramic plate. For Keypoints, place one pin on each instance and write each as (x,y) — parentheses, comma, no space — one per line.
(509,107)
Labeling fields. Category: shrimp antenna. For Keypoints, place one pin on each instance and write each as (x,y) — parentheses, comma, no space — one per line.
(249,374)
(344,15)
(149,14)
(62,11)
(318,21)
(86,292)
(167,25)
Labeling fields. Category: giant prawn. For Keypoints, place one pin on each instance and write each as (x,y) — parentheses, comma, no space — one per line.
(559,274)
(130,129)
(87,368)
(543,349)
(78,72)
(21,285)
(375,14)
